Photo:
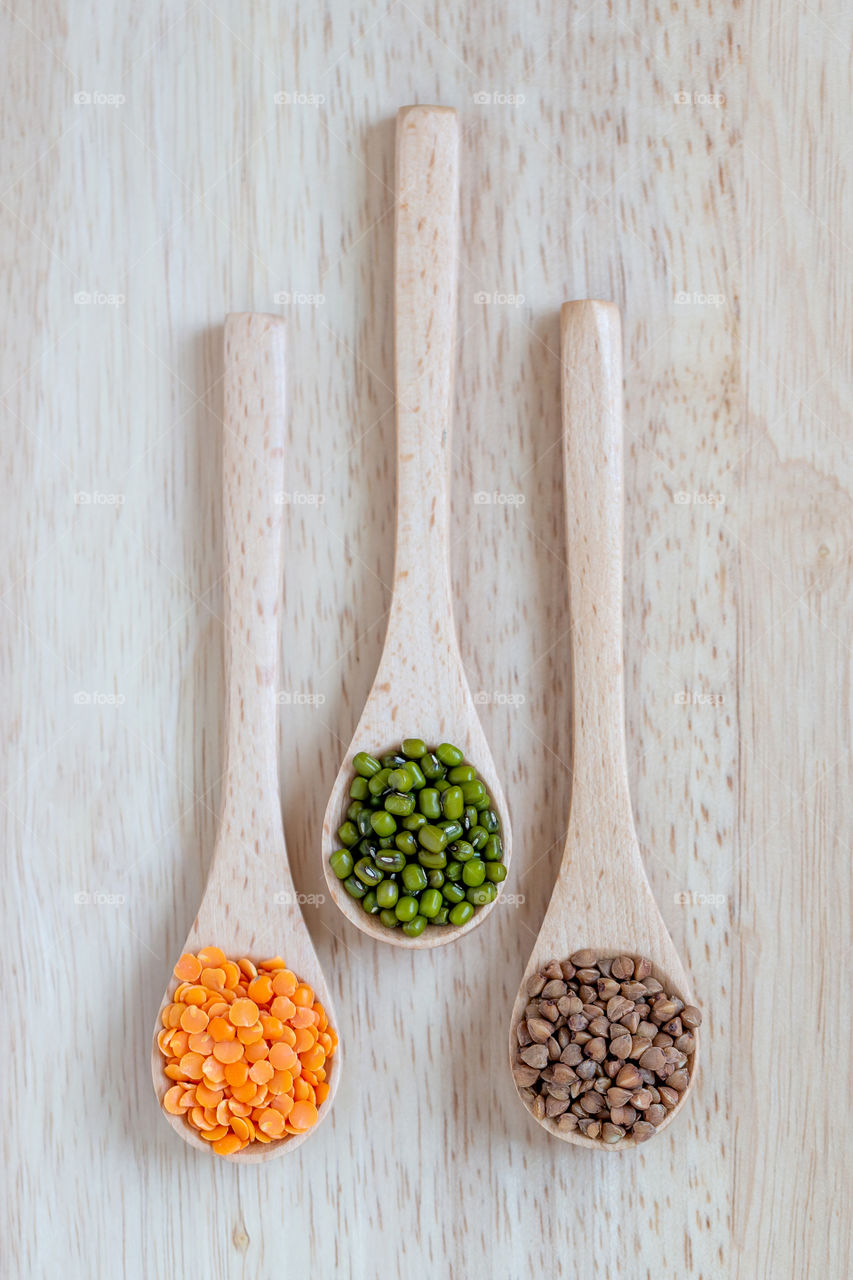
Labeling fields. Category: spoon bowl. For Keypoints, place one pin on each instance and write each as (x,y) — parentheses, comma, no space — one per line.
(601,900)
(250,906)
(476,751)
(420,688)
(539,959)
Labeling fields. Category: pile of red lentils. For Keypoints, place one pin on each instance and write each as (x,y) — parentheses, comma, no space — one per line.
(247,1046)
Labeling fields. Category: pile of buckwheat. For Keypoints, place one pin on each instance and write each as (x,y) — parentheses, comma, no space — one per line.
(602,1048)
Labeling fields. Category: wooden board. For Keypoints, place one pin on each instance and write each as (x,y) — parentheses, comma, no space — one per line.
(173,163)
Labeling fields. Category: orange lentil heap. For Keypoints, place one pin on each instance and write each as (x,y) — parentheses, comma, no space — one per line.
(247,1047)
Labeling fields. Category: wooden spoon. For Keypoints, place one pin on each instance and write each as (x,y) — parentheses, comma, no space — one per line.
(420,688)
(249,906)
(601,900)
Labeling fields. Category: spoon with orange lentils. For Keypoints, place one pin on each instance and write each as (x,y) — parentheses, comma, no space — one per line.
(244,1058)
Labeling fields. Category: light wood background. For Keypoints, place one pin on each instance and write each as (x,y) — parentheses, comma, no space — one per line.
(197,193)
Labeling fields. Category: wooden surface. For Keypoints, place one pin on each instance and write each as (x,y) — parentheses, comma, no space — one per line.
(689,162)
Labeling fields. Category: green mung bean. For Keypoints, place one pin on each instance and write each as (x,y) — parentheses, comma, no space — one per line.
(452,892)
(414,771)
(429,803)
(431,838)
(383,823)
(387,894)
(473,872)
(400,803)
(432,861)
(430,903)
(348,834)
(452,803)
(368,872)
(414,878)
(431,766)
(400,779)
(365,765)
(406,908)
(342,863)
(478,895)
(406,843)
(354,887)
(359,789)
(420,842)
(390,861)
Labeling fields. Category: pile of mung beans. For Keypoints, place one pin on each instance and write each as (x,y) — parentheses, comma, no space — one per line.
(421,843)
(602,1048)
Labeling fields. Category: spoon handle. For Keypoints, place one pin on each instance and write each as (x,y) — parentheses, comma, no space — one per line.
(425,274)
(253,479)
(592,433)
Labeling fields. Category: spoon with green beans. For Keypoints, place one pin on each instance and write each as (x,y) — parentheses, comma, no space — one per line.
(421,845)
(416,837)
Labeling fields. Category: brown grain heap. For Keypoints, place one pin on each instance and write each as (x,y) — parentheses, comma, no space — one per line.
(602,1048)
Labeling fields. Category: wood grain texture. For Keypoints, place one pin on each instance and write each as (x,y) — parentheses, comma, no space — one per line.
(719,223)
(421,688)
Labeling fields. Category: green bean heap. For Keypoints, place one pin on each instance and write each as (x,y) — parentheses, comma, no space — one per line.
(421,844)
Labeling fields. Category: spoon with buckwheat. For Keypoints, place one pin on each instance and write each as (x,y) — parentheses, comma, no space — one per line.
(603,1036)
